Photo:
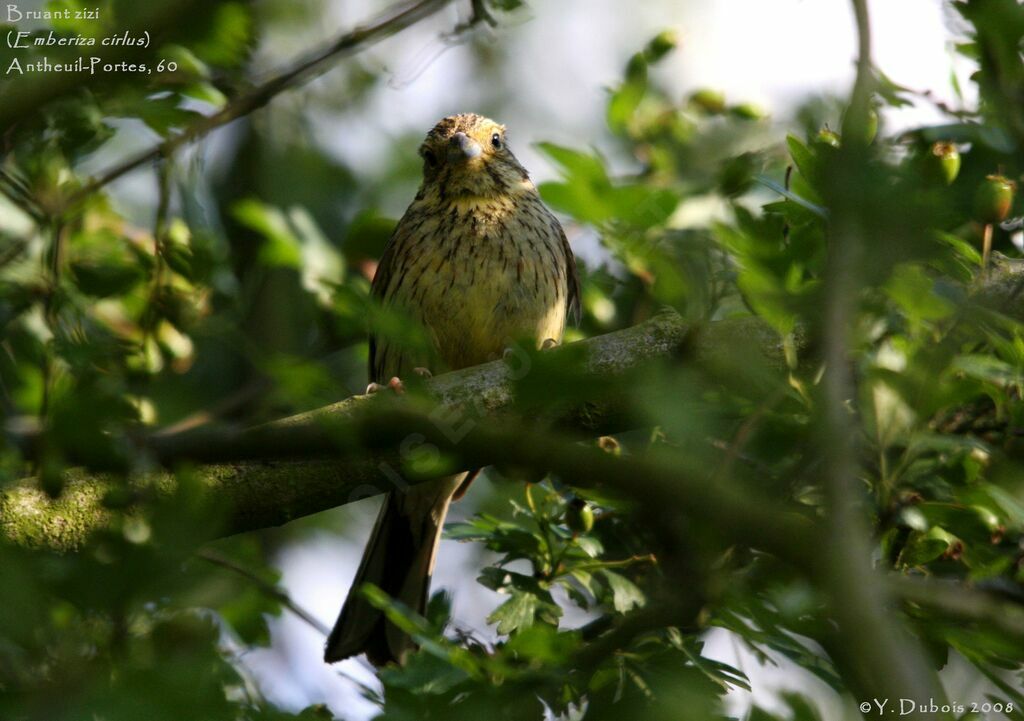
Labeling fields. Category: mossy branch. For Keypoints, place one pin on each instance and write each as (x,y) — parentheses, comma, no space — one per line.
(269,475)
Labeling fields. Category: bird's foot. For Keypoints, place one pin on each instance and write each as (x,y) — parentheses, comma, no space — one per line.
(396,384)
(516,351)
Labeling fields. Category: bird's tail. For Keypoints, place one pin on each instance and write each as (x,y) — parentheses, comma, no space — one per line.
(399,558)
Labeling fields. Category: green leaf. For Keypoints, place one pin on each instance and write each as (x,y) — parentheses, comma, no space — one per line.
(589,195)
(205,92)
(987,368)
(516,613)
(625,100)
(543,644)
(922,548)
(225,34)
(423,673)
(914,290)
(626,595)
(804,159)
(103,264)
(641,205)
(811,207)
(576,164)
(282,247)
(590,545)
(293,240)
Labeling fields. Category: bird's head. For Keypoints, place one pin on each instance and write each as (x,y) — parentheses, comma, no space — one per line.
(466,155)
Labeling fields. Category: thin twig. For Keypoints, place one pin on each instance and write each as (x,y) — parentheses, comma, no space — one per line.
(265,587)
(160,226)
(54,262)
(961,601)
(986,247)
(637,623)
(299,72)
(734,449)
(13,251)
(481,14)
(254,389)
(20,196)
(620,563)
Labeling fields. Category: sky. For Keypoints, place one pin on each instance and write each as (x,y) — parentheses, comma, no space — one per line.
(556,61)
(559,57)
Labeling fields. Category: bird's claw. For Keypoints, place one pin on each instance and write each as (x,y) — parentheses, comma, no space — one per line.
(512,351)
(395,384)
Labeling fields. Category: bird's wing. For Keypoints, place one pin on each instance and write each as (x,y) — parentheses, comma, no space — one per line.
(572,277)
(382,365)
(388,358)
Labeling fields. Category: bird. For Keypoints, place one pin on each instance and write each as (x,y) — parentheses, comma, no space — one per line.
(477,262)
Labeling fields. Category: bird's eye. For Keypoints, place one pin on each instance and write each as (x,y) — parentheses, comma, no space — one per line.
(496,141)
(430,158)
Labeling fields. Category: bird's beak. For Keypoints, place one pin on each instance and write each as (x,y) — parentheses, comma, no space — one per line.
(461,147)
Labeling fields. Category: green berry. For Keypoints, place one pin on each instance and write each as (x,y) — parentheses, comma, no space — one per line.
(872,127)
(943,162)
(994,198)
(747,111)
(579,516)
(827,136)
(708,100)
(737,175)
(636,69)
(661,45)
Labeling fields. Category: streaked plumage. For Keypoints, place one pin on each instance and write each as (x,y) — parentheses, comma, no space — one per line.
(479,262)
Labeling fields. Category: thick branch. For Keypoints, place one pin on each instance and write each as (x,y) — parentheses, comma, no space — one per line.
(267,493)
(883,659)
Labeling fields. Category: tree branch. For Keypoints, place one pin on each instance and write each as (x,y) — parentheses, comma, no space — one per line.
(883,659)
(470,423)
(272,487)
(270,590)
(297,73)
(956,599)
(266,493)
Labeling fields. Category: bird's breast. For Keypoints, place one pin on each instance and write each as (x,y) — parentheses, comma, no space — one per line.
(498,278)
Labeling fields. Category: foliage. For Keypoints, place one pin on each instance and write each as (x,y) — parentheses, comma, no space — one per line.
(243,296)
